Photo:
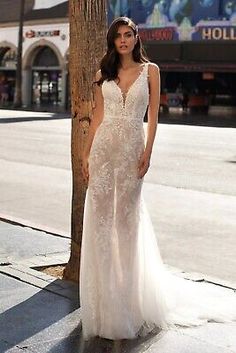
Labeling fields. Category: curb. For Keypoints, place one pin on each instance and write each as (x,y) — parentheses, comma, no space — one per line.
(26,271)
(41,228)
(53,260)
(200,277)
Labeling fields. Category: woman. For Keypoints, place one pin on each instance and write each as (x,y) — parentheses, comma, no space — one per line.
(125,290)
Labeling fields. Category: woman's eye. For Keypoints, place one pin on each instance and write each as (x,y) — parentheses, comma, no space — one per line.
(126,35)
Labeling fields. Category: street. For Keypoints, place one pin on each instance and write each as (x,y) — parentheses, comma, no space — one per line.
(190,188)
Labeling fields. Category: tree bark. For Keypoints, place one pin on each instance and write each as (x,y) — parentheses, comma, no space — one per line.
(87,45)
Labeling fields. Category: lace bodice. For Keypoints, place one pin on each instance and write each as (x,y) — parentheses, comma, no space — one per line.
(133,104)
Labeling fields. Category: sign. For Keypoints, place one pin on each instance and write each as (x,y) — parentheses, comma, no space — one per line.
(217,33)
(166,34)
(40,34)
(179,20)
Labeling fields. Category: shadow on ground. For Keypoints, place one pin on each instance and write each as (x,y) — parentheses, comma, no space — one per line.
(217,117)
(33,118)
(37,318)
(214,119)
(101,345)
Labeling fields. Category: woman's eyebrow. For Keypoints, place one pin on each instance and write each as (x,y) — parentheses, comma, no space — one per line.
(125,32)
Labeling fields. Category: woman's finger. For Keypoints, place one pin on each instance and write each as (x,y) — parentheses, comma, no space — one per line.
(143,171)
(141,164)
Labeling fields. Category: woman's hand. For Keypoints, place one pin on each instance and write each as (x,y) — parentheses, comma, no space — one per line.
(144,164)
(85,168)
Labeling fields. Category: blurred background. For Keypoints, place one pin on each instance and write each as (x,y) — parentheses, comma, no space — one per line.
(193,42)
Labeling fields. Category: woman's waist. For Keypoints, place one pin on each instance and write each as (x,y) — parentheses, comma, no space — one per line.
(118,129)
(122,120)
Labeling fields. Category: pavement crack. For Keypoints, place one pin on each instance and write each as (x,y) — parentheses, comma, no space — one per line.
(55,292)
(22,348)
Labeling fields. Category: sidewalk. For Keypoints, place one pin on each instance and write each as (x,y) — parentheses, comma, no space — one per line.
(40,313)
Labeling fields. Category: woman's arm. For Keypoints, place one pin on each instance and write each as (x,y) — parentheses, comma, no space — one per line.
(153,109)
(97,117)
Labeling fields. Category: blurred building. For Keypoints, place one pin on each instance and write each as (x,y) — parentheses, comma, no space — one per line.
(193,42)
(45,50)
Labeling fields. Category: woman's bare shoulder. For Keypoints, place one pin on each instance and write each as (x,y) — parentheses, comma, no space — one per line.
(153,68)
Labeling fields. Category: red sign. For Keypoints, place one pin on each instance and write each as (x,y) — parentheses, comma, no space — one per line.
(37,34)
(166,33)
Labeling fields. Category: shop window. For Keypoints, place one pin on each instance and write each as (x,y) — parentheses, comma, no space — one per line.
(47,88)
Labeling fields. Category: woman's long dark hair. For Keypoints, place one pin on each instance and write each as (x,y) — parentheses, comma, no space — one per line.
(111,62)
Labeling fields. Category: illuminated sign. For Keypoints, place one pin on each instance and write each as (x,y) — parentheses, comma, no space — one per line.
(218,33)
(157,34)
(179,20)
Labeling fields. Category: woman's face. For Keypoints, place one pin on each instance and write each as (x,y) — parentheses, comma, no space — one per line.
(125,40)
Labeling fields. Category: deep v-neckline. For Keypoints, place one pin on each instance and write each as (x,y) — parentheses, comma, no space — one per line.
(124,95)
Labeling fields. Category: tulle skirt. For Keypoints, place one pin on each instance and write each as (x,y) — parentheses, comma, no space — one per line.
(128,293)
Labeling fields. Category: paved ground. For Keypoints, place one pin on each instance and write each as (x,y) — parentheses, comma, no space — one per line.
(190,189)
(39,313)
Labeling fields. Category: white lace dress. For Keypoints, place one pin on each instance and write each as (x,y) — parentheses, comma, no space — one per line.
(125,290)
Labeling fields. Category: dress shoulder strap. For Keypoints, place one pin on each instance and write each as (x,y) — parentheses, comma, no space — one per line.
(146,69)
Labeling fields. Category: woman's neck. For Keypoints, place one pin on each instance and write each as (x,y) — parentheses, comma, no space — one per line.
(126,62)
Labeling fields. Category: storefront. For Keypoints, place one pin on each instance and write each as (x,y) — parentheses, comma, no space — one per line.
(45,66)
(194,44)
(199,68)
(44,54)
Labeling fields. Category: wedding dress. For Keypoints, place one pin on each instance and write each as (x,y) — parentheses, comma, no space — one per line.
(125,289)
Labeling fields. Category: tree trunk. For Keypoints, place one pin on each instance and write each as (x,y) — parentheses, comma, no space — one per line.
(87,45)
(18,86)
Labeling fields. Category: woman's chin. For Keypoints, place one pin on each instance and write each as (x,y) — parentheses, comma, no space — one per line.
(124,52)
